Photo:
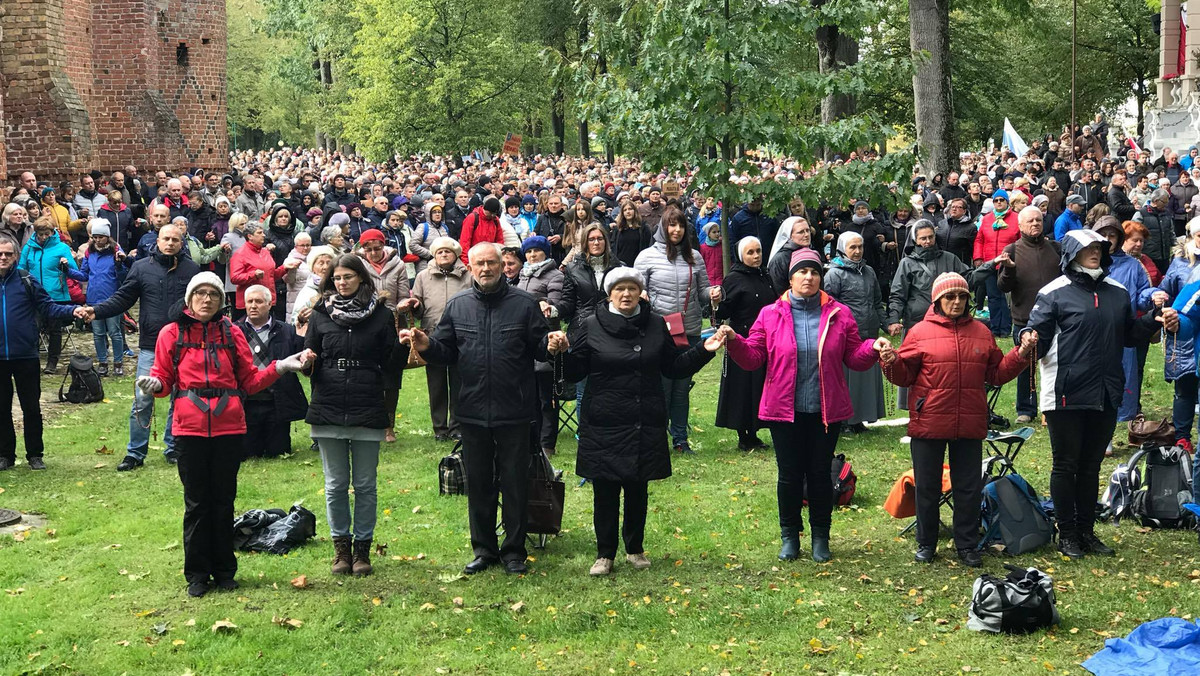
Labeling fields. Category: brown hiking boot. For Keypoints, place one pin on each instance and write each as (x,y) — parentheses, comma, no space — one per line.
(341,556)
(362,558)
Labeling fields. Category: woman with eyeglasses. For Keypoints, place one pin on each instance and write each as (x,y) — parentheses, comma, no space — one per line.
(945,362)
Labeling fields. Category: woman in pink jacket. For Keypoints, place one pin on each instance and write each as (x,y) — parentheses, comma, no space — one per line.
(253,264)
(804,338)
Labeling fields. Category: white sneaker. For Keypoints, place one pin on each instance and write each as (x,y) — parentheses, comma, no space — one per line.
(602,566)
(1024,419)
(638,561)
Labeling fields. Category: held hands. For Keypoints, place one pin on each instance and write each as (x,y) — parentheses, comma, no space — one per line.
(1005,260)
(714,294)
(1169,319)
(556,342)
(887,353)
(149,384)
(415,338)
(85,313)
(295,362)
(545,307)
(717,340)
(1029,341)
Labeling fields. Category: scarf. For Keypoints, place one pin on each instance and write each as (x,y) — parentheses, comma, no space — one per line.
(348,311)
(1094,274)
(636,310)
(998,223)
(596,263)
(860,220)
(533,269)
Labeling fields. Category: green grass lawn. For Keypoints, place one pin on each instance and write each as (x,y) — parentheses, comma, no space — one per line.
(99,589)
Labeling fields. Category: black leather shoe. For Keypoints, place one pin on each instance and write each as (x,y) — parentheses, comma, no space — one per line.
(36,462)
(128,463)
(1070,548)
(227,585)
(1093,545)
(925,554)
(172,458)
(480,564)
(515,567)
(197,589)
(970,558)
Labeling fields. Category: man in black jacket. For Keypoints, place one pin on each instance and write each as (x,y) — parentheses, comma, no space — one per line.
(269,413)
(157,283)
(456,213)
(492,333)
(1118,201)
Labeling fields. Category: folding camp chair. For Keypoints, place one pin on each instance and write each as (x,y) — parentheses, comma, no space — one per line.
(568,409)
(995,420)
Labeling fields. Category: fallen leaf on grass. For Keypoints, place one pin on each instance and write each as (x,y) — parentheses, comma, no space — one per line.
(381,549)
(100,465)
(824,622)
(287,622)
(425,607)
(300,582)
(51,533)
(190,623)
(147,613)
(104,450)
(124,644)
(15,592)
(457,601)
(517,607)
(376,601)
(178,642)
(169,547)
(225,625)
(818,647)
(451,577)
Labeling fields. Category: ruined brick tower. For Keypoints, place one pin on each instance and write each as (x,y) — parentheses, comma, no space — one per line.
(99,84)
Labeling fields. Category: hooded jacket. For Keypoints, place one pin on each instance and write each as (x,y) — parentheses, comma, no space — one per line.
(103,272)
(120,223)
(674,286)
(1083,324)
(41,261)
(1162,232)
(772,341)
(946,364)
(1179,358)
(855,286)
(479,226)
(391,280)
(909,298)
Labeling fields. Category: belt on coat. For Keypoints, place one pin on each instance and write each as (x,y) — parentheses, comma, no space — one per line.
(199,396)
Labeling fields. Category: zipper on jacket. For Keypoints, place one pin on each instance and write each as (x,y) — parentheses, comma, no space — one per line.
(959,358)
(346,390)
(4,310)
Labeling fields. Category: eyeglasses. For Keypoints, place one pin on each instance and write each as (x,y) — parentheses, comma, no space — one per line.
(372,248)
(204,293)
(956,296)
(345,278)
(596,239)
(7,254)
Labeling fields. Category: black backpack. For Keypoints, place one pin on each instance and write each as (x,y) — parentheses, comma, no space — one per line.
(1166,485)
(85,382)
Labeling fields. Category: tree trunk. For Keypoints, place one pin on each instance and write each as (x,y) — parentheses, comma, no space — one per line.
(929,33)
(585,150)
(558,121)
(834,52)
(537,136)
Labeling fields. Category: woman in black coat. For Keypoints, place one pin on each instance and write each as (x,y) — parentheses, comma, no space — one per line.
(747,291)
(353,335)
(625,351)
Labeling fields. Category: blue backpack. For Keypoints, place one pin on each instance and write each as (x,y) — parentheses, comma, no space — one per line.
(1012,515)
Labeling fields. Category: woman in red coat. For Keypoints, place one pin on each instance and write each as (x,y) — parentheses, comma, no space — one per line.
(205,364)
(945,361)
(253,264)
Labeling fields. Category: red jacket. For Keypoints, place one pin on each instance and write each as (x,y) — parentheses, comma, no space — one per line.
(989,242)
(479,226)
(245,263)
(216,366)
(945,364)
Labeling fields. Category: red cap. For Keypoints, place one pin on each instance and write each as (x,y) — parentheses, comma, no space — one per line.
(372,235)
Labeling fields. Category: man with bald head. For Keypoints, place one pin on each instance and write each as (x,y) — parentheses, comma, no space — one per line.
(1025,266)
(156,282)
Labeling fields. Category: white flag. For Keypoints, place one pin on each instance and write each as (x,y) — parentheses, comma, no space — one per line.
(1013,140)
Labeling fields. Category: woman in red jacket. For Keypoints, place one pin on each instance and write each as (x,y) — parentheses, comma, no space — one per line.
(946,360)
(206,366)
(253,264)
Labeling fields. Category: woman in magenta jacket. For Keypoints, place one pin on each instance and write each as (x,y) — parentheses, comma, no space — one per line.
(946,361)
(804,338)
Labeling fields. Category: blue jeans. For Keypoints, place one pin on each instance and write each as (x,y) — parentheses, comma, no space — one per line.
(104,330)
(344,462)
(142,413)
(1000,321)
(677,393)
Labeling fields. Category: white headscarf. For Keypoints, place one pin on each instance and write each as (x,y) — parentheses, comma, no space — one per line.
(743,244)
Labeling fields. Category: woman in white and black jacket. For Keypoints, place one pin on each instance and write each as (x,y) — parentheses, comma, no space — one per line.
(1083,321)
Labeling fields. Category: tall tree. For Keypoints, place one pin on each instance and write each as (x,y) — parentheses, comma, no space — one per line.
(933,96)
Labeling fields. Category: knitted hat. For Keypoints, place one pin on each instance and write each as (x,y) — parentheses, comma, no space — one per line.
(318,251)
(804,258)
(1040,200)
(492,206)
(313,213)
(204,279)
(622,274)
(528,199)
(1193,226)
(372,235)
(1001,194)
(947,282)
(446,243)
(100,227)
(535,242)
(339,219)
(512,202)
(598,200)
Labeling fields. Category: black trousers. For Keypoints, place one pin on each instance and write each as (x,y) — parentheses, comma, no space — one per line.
(26,375)
(54,336)
(208,468)
(266,435)
(442,382)
(804,450)
(1077,443)
(548,411)
(1026,396)
(497,463)
(966,475)
(606,503)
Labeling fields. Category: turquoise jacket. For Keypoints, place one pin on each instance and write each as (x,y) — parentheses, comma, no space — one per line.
(42,263)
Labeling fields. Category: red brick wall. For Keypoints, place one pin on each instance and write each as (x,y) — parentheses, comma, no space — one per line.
(101,84)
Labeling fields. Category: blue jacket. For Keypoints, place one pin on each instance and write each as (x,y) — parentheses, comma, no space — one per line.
(714,217)
(1129,272)
(1180,356)
(1066,222)
(156,283)
(20,303)
(103,274)
(745,224)
(41,262)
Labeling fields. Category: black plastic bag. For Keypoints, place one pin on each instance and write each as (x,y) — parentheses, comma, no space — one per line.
(271,530)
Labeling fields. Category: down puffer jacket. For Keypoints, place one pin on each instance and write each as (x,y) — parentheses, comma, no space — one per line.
(668,285)
(945,363)
(623,436)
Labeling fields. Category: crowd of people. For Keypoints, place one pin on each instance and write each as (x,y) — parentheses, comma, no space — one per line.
(506,279)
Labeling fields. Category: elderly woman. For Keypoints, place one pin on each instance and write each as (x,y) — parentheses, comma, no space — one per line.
(235,237)
(946,361)
(15,222)
(852,282)
(386,267)
(804,338)
(541,277)
(1087,318)
(747,291)
(318,261)
(253,264)
(353,335)
(49,260)
(677,284)
(206,366)
(432,289)
(626,353)
(298,272)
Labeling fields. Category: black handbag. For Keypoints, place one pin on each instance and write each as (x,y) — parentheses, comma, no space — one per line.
(546,495)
